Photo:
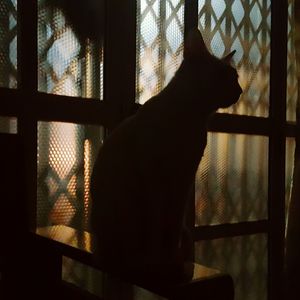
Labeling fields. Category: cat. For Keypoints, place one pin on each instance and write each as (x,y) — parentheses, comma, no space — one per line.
(147,165)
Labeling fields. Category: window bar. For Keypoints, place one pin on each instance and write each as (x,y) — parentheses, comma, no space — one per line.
(27,84)
(279,10)
(230,123)
(210,232)
(4,48)
(93,56)
(138,46)
(228,26)
(98,69)
(190,16)
(191,22)
(60,108)
(162,49)
(120,56)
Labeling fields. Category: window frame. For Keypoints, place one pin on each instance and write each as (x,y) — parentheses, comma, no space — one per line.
(31,106)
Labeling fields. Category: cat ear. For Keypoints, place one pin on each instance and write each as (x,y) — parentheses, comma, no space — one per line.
(194,45)
(228,58)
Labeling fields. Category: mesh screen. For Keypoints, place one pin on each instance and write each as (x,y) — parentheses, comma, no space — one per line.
(67,66)
(226,25)
(244,258)
(232,180)
(8,43)
(160,26)
(66,154)
(8,125)
(243,26)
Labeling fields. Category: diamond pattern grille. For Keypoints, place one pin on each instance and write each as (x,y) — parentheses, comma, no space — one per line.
(66,66)
(226,25)
(243,26)
(8,43)
(66,154)
(231,182)
(159,44)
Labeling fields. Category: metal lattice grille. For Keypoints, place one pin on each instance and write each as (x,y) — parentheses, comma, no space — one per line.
(66,66)
(8,43)
(66,154)
(226,25)
(160,29)
(244,258)
(232,180)
(243,26)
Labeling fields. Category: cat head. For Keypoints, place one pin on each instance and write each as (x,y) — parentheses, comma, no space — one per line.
(217,78)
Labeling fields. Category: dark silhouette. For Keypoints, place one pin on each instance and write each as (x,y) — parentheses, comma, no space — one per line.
(146,167)
(85,17)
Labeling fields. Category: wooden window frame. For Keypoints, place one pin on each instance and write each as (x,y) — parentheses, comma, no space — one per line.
(31,106)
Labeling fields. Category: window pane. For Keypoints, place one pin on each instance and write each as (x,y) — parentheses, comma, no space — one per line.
(67,65)
(243,26)
(160,26)
(66,154)
(8,43)
(232,180)
(8,125)
(292,82)
(244,258)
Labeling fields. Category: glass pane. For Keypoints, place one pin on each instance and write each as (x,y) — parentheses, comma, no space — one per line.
(244,258)
(292,82)
(289,171)
(243,26)
(68,65)
(8,125)
(160,29)
(66,154)
(232,179)
(8,43)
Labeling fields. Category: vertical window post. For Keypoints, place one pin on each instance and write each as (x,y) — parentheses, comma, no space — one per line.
(277,147)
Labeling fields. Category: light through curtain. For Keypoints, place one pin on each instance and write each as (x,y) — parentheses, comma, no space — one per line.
(66,65)
(160,29)
(243,26)
(66,151)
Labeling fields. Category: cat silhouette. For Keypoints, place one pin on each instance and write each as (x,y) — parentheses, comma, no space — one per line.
(146,168)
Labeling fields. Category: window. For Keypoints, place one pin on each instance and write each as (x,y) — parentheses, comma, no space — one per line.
(62,93)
